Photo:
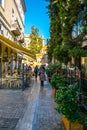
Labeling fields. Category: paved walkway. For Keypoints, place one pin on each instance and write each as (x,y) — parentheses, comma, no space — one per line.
(12,107)
(47,117)
(32,109)
(33,94)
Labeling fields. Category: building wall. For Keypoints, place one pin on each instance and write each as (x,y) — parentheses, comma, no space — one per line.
(8,13)
(6,10)
(27,40)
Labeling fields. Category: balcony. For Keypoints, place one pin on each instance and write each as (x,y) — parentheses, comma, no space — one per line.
(21,38)
(15,28)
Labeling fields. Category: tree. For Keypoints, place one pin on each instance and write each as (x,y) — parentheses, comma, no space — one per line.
(55,28)
(64,16)
(36,41)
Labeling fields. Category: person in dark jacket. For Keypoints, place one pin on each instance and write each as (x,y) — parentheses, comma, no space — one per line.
(36,71)
(42,75)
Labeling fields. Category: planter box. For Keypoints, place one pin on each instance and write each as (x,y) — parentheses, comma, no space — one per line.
(71,126)
(54,92)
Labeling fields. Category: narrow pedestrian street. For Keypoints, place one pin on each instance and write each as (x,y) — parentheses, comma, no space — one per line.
(47,117)
(43,65)
(31,109)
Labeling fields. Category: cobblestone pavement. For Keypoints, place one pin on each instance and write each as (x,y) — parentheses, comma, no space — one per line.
(13,107)
(47,118)
(31,109)
(27,120)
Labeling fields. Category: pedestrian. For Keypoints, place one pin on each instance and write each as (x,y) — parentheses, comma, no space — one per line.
(36,71)
(42,75)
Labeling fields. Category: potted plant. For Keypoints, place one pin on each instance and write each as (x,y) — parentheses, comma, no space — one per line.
(52,68)
(67,98)
(56,81)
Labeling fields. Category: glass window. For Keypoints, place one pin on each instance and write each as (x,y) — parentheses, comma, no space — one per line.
(2,3)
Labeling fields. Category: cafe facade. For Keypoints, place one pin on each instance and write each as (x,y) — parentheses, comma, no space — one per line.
(12,49)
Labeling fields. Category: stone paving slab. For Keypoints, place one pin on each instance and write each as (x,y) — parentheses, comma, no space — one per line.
(27,120)
(8,123)
(12,107)
(47,118)
(31,109)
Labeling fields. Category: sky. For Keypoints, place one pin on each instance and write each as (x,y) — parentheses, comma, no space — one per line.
(36,14)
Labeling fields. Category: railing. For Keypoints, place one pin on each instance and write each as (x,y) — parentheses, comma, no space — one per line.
(84,93)
(82,84)
(16,29)
(21,38)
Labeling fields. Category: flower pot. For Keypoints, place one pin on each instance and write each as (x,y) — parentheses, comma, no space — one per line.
(71,126)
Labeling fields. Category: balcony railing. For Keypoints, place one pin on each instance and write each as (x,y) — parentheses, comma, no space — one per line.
(21,38)
(16,27)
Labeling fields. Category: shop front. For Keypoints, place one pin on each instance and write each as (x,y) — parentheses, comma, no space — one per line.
(11,65)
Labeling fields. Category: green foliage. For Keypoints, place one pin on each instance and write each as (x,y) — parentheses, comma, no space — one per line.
(53,68)
(67,98)
(64,15)
(77,52)
(49,53)
(36,41)
(34,31)
(57,80)
(61,54)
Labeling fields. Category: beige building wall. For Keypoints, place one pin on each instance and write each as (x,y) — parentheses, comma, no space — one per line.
(27,40)
(6,10)
(9,12)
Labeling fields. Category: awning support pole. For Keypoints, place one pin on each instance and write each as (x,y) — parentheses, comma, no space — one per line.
(23,77)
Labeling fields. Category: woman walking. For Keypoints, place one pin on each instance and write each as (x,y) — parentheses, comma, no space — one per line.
(42,75)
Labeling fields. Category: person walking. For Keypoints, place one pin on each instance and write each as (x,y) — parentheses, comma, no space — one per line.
(42,75)
(36,71)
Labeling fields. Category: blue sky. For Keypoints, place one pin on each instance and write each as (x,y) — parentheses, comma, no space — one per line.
(36,14)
